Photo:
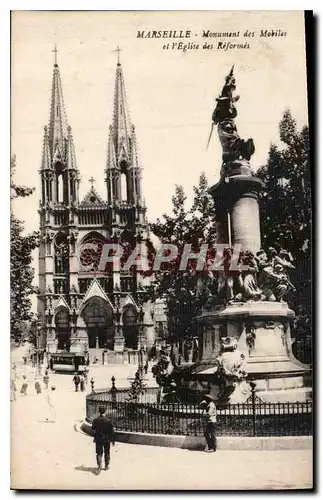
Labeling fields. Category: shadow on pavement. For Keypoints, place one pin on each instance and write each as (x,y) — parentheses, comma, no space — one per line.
(86,469)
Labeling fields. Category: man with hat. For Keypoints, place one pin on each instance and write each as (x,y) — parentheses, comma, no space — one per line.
(209,433)
(103,436)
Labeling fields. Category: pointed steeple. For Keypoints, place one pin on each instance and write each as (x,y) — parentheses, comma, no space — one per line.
(120,132)
(58,144)
(57,121)
(122,167)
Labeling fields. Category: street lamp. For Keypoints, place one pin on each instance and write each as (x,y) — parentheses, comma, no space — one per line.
(141,316)
(38,332)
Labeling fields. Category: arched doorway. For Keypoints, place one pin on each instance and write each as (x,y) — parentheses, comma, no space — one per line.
(63,329)
(130,327)
(98,317)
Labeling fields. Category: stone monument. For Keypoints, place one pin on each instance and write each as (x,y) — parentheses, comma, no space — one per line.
(245,304)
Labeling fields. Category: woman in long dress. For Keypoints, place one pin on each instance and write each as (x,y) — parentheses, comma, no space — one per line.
(38,387)
(82,382)
(46,379)
(51,405)
(24,387)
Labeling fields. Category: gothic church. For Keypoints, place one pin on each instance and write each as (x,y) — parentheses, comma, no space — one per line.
(83,309)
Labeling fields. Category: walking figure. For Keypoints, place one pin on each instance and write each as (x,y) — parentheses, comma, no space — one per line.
(103,436)
(13,390)
(38,387)
(82,383)
(86,374)
(24,386)
(92,382)
(209,433)
(146,367)
(76,380)
(51,406)
(46,379)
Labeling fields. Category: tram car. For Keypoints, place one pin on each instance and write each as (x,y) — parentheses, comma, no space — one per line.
(67,362)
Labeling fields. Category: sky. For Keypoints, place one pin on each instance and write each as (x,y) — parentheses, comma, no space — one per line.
(171,93)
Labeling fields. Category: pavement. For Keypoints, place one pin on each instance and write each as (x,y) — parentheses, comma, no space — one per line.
(58,455)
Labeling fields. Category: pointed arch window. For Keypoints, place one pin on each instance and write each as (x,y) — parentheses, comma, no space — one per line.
(129,316)
(124,187)
(130,327)
(60,188)
(63,329)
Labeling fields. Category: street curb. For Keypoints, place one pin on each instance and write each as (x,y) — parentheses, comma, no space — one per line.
(198,442)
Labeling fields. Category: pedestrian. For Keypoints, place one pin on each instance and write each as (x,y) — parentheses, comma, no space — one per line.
(92,382)
(13,390)
(24,360)
(146,367)
(86,374)
(103,436)
(82,382)
(38,387)
(76,380)
(24,387)
(46,379)
(209,433)
(51,406)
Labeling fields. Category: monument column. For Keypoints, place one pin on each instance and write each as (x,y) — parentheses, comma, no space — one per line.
(246,322)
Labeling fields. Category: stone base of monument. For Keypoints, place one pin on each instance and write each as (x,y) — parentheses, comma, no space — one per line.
(263,335)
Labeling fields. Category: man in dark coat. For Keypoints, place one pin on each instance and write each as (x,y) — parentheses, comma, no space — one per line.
(103,436)
(76,380)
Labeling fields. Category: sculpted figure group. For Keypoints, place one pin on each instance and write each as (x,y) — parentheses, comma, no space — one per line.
(261,277)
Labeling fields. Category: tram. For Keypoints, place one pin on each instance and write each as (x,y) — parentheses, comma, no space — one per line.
(67,362)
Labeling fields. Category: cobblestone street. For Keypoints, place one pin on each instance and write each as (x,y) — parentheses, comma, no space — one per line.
(59,456)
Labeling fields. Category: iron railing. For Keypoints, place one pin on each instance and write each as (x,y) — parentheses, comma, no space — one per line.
(253,418)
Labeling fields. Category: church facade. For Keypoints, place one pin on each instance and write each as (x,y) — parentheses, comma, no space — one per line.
(82,306)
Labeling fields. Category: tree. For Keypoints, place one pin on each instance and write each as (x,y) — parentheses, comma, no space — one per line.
(194,226)
(21,270)
(286,211)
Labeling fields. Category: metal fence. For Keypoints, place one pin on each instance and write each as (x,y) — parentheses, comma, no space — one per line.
(249,419)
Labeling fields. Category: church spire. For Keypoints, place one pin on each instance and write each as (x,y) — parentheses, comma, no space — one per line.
(58,127)
(122,167)
(58,147)
(121,123)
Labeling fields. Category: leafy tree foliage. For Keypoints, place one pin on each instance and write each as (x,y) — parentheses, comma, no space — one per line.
(21,270)
(286,211)
(193,226)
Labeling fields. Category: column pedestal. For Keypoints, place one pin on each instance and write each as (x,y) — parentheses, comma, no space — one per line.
(262,332)
(237,196)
